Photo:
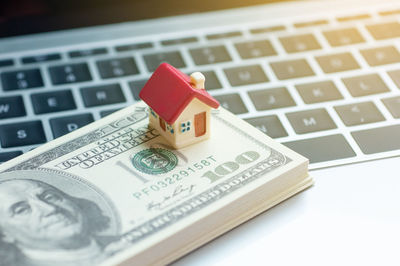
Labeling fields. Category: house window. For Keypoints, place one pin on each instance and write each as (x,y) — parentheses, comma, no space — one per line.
(185,126)
(153,113)
(170,129)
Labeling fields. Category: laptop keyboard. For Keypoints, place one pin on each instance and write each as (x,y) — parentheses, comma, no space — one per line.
(327,88)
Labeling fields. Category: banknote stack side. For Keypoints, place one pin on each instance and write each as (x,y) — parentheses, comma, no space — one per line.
(116,193)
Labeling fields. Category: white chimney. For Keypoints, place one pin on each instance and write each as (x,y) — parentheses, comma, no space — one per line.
(197,79)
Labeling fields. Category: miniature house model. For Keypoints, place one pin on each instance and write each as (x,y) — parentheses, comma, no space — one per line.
(180,107)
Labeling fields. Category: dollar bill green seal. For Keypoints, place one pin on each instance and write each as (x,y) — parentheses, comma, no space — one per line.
(154,161)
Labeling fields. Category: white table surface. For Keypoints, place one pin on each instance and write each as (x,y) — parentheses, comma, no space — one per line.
(351,216)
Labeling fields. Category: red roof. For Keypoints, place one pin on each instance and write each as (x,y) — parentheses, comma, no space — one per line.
(169,91)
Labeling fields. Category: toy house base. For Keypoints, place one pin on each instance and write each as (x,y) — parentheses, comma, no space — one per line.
(192,125)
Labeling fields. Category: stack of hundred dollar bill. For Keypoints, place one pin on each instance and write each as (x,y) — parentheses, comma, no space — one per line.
(115,193)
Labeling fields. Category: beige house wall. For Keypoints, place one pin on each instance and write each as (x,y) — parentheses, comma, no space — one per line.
(181,139)
(187,138)
(155,123)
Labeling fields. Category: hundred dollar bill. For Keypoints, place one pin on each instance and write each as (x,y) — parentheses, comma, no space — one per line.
(114,192)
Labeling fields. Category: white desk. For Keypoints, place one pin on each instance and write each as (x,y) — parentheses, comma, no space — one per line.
(351,216)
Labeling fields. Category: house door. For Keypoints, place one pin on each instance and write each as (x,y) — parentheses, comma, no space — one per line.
(200,124)
(162,123)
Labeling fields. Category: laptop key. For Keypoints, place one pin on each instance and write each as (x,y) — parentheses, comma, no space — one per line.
(154,60)
(343,37)
(210,55)
(377,140)
(22,79)
(311,23)
(359,113)
(393,105)
(292,69)
(381,56)
(267,29)
(337,62)
(102,95)
(245,75)
(70,73)
(63,125)
(5,156)
(223,35)
(300,43)
(20,134)
(12,106)
(54,101)
(271,98)
(255,49)
(233,102)
(318,92)
(88,52)
(108,112)
(365,85)
(390,12)
(395,76)
(179,41)
(136,86)
(40,58)
(353,17)
(6,62)
(117,67)
(384,31)
(212,81)
(322,149)
(310,121)
(133,47)
(270,125)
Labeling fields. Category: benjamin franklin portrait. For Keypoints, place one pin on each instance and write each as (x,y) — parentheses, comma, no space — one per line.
(50,219)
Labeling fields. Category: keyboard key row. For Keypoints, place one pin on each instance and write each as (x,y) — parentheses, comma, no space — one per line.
(312,120)
(32,133)
(125,66)
(265,99)
(333,147)
(357,86)
(215,54)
